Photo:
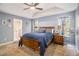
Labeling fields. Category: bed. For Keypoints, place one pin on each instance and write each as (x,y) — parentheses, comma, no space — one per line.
(37,41)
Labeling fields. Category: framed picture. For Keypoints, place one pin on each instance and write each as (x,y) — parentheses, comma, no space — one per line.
(4,22)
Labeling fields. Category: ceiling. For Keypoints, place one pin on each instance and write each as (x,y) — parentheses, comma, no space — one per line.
(48,9)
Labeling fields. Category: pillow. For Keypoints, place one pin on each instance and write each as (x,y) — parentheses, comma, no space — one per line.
(41,31)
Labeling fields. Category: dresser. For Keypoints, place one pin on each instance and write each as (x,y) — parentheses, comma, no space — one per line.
(58,39)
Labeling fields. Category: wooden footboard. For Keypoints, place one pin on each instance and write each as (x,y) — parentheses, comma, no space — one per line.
(31,43)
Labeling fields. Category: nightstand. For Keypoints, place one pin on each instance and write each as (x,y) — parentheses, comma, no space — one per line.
(58,39)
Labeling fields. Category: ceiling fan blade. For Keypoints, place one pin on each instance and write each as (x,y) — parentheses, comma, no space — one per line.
(36,4)
(39,8)
(27,4)
(26,8)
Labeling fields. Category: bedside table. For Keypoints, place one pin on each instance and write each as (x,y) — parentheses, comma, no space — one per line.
(58,39)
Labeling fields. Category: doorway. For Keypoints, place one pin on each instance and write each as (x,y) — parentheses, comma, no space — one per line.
(17,29)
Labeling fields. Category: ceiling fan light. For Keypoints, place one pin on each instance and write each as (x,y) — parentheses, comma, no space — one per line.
(32,7)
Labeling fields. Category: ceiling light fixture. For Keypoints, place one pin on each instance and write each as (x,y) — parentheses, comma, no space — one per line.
(32,7)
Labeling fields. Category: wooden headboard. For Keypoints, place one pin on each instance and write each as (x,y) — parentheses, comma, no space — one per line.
(47,28)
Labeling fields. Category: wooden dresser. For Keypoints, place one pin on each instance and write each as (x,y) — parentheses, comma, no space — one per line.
(58,39)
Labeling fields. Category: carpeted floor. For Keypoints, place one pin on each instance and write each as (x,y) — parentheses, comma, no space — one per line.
(53,50)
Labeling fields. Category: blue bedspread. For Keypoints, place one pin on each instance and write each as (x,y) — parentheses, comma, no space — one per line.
(42,37)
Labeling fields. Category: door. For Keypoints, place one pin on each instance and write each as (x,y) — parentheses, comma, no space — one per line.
(17,26)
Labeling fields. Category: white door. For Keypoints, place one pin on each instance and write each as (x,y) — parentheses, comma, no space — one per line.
(17,26)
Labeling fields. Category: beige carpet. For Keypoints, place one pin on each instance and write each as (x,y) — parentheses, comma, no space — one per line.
(52,50)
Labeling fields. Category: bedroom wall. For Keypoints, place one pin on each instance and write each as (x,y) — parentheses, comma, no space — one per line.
(6,32)
(52,21)
(77,28)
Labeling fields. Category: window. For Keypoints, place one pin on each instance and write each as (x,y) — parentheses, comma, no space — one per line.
(64,25)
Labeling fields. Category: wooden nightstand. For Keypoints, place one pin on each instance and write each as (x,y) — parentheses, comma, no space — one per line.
(58,39)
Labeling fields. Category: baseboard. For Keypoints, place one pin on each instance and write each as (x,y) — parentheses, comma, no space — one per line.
(7,43)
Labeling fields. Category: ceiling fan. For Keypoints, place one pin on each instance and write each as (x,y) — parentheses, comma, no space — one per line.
(33,6)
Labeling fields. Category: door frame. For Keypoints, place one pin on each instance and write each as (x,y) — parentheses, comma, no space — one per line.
(14,39)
